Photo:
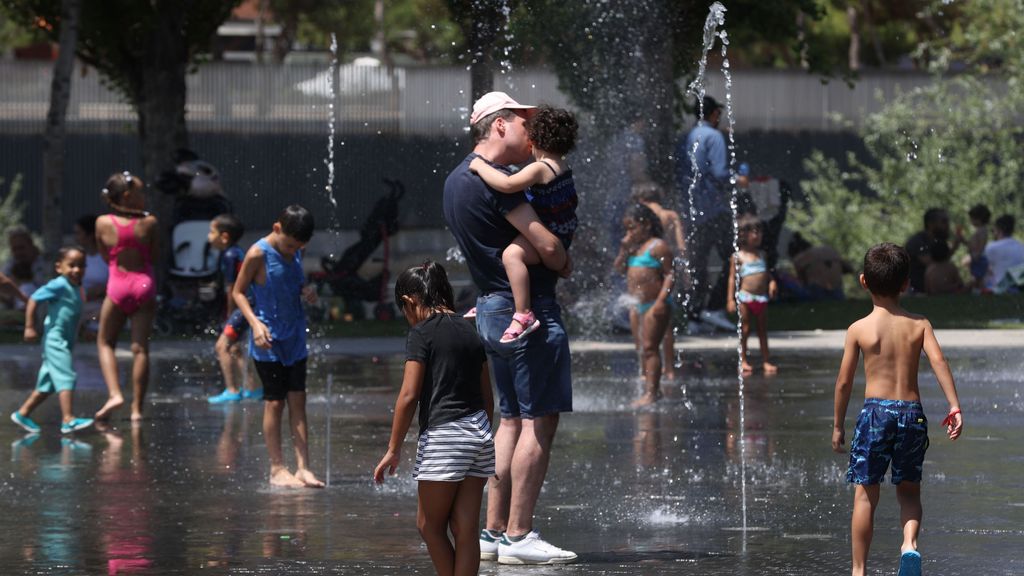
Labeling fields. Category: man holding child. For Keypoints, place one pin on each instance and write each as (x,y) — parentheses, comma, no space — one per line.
(532,374)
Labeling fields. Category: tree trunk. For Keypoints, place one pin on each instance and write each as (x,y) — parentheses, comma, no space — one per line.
(660,135)
(481,36)
(853,54)
(53,143)
(161,107)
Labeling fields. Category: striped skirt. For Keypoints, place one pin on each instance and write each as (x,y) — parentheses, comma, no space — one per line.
(451,451)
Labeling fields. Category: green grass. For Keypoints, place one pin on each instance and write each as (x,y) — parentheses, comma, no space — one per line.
(957,311)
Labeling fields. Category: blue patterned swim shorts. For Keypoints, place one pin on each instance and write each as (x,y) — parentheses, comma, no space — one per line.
(888,431)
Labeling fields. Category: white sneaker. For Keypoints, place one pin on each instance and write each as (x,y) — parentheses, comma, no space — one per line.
(718,319)
(489,545)
(532,550)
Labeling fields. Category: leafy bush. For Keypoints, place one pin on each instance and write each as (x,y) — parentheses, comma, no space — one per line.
(12,212)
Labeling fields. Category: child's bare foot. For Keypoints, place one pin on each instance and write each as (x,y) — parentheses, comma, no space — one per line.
(137,417)
(770,368)
(746,368)
(669,374)
(646,400)
(282,477)
(112,404)
(308,479)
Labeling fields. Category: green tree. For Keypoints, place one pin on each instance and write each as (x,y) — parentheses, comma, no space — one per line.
(56,116)
(953,144)
(144,50)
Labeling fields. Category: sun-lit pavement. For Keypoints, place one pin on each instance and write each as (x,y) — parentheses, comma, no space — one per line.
(656,492)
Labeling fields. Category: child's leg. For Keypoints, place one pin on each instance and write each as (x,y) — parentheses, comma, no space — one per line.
(669,351)
(745,318)
(32,402)
(865,500)
(142,326)
(297,418)
(909,496)
(653,326)
(239,359)
(516,257)
(762,336)
(434,510)
(465,525)
(225,357)
(66,409)
(111,322)
(279,475)
(634,327)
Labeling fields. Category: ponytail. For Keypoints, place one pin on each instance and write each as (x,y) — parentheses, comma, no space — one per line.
(428,283)
(114,191)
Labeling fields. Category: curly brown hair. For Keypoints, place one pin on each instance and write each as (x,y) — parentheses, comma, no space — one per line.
(553,130)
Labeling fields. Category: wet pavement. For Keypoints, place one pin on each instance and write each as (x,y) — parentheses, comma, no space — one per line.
(632,492)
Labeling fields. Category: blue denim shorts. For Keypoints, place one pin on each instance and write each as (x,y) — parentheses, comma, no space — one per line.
(533,375)
(888,432)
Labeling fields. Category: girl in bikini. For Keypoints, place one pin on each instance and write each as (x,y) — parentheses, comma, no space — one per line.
(647,261)
(756,288)
(127,239)
(552,193)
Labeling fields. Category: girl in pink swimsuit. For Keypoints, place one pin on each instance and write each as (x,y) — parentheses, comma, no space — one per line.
(127,239)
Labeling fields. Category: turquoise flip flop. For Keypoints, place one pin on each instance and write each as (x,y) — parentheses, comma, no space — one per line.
(910,563)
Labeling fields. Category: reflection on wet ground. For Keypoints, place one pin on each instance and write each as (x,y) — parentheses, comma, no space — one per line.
(650,492)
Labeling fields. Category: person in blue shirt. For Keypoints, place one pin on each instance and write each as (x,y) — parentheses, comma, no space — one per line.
(64,297)
(703,177)
(225,232)
(272,276)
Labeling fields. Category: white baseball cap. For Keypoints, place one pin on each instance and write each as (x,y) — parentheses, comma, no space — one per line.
(492,102)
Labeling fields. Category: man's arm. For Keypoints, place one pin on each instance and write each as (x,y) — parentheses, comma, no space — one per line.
(844,387)
(548,246)
(717,158)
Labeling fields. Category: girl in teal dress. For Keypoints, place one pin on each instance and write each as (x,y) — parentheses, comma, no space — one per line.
(63,295)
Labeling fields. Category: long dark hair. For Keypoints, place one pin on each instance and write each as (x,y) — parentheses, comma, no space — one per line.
(639,213)
(428,283)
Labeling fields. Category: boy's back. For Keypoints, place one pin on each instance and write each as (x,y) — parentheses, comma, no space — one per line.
(891,341)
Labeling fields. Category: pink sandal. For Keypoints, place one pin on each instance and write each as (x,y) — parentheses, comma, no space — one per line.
(527,321)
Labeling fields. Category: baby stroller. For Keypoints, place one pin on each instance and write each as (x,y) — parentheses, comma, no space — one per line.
(191,300)
(340,275)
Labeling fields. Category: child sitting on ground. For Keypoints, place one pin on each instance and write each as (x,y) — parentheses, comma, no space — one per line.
(942,276)
(647,261)
(552,193)
(756,288)
(892,427)
(225,232)
(446,373)
(64,297)
(272,274)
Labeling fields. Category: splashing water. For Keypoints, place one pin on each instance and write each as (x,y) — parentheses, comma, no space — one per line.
(714,21)
(505,63)
(332,79)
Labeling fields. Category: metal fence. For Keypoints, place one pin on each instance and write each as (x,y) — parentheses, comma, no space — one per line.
(434,101)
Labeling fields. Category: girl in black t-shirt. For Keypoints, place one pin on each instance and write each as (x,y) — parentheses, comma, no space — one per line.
(446,373)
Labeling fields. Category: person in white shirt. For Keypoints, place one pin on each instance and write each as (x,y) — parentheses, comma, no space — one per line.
(1004,252)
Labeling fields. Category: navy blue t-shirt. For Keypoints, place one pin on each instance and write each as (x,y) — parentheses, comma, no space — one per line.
(475,214)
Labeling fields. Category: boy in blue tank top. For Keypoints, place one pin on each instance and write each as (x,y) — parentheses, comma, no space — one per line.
(272,276)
